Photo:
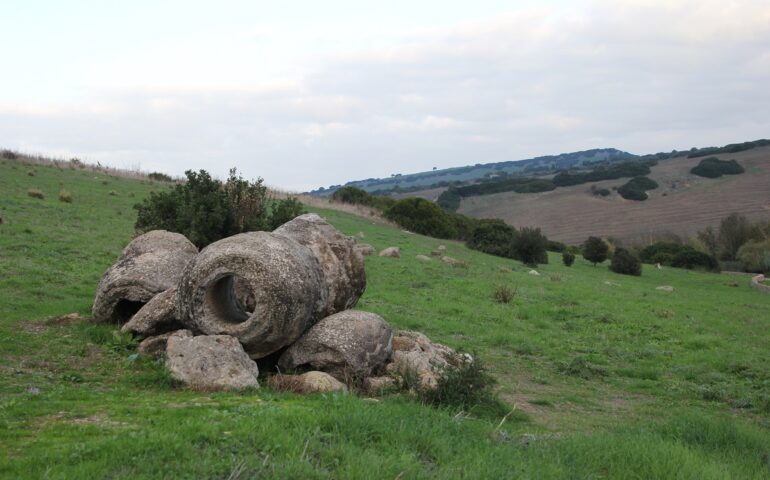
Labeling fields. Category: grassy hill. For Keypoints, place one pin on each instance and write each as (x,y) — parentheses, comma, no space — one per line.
(607,376)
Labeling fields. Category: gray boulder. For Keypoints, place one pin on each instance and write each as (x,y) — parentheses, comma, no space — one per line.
(210,362)
(155,317)
(282,277)
(341,263)
(365,249)
(413,352)
(349,344)
(152,263)
(423,258)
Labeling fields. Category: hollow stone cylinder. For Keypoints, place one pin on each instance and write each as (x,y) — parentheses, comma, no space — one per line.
(342,264)
(150,264)
(281,279)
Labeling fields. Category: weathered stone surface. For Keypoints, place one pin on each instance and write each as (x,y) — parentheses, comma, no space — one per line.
(394,252)
(378,385)
(341,263)
(211,362)
(155,347)
(309,382)
(150,264)
(284,277)
(346,345)
(365,249)
(156,317)
(665,288)
(413,351)
(452,261)
(423,258)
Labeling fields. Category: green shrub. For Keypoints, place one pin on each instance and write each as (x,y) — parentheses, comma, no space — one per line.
(463,224)
(449,199)
(285,210)
(612,172)
(554,246)
(161,177)
(494,238)
(755,256)
(504,294)
(529,246)
(692,259)
(595,250)
(659,251)
(636,188)
(206,210)
(351,195)
(35,193)
(624,262)
(712,167)
(466,385)
(568,258)
(421,216)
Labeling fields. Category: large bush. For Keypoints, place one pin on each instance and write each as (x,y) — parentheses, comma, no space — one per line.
(595,250)
(206,210)
(421,216)
(712,167)
(734,231)
(755,256)
(529,246)
(357,196)
(636,188)
(677,255)
(449,199)
(568,258)
(694,260)
(659,251)
(625,262)
(493,237)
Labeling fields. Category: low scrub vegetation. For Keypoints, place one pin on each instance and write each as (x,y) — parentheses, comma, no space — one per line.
(504,293)
(712,167)
(612,172)
(625,262)
(65,196)
(206,210)
(36,193)
(357,196)
(568,258)
(754,255)
(528,245)
(421,216)
(636,188)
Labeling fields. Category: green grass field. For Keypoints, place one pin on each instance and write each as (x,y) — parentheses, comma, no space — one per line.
(607,376)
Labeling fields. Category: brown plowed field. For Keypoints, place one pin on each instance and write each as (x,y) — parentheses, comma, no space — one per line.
(682,204)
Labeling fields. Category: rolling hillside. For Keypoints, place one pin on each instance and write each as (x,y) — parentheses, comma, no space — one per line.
(683,204)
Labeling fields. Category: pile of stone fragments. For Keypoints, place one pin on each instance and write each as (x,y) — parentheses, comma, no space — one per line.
(282,300)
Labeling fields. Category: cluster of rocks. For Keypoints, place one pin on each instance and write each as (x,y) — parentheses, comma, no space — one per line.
(281,299)
(395,252)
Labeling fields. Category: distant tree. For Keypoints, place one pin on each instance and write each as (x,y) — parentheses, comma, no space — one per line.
(708,238)
(595,250)
(624,262)
(568,258)
(421,216)
(493,237)
(734,231)
(529,246)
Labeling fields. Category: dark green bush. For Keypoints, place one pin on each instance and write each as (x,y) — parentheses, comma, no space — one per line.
(206,210)
(595,250)
(619,170)
(494,238)
(161,177)
(636,188)
(755,256)
(449,199)
(625,262)
(529,246)
(351,195)
(692,259)
(568,258)
(463,225)
(284,210)
(421,216)
(466,385)
(554,246)
(659,251)
(712,167)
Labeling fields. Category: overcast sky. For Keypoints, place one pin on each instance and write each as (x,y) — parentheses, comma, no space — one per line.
(308,94)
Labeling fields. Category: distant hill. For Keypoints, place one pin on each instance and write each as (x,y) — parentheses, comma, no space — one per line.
(448,176)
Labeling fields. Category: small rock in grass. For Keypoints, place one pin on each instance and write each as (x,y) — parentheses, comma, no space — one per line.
(365,249)
(423,258)
(453,261)
(393,252)
(534,272)
(665,288)
(378,385)
(309,382)
(155,347)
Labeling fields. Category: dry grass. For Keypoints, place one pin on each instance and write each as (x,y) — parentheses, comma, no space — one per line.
(65,196)
(35,193)
(322,202)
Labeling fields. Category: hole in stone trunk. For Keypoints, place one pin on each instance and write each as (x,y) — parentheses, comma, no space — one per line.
(125,309)
(231,299)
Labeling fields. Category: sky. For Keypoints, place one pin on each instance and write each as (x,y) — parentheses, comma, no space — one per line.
(308,93)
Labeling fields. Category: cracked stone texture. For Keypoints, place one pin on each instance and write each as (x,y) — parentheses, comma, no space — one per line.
(345,345)
(283,277)
(210,362)
(342,264)
(150,264)
(156,317)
